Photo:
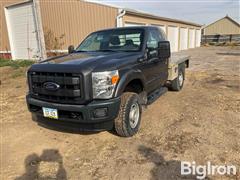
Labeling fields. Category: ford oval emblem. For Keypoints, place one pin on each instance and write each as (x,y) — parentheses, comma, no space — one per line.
(51,86)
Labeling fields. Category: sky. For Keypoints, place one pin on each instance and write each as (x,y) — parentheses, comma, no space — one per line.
(198,11)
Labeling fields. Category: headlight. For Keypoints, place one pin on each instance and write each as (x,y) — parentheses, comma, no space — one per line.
(103,84)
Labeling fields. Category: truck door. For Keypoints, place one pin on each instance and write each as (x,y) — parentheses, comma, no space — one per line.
(158,68)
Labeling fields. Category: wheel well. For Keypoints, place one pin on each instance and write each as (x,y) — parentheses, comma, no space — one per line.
(187,63)
(134,86)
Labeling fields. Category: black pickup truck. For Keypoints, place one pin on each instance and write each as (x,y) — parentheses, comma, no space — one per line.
(104,82)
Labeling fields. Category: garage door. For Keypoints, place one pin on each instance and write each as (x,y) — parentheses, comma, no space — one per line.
(129,24)
(22,31)
(183,38)
(198,38)
(191,38)
(173,38)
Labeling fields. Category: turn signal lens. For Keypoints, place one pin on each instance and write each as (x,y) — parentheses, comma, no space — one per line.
(115,79)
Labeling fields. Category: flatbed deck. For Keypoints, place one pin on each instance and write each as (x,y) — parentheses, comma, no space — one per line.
(177,58)
(174,61)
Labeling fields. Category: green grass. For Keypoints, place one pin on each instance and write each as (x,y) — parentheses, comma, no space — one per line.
(15,63)
(18,73)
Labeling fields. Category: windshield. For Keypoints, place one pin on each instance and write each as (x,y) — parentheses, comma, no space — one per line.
(113,40)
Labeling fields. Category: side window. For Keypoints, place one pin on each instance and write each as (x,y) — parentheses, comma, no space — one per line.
(153,39)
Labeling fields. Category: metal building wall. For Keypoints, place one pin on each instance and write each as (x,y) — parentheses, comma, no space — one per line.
(75,19)
(224,27)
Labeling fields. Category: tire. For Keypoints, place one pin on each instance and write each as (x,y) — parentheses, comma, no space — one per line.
(177,84)
(130,109)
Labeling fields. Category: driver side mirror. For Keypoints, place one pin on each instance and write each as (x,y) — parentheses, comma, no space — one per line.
(164,49)
(71,49)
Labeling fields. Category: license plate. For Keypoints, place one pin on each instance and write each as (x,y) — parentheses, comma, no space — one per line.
(50,113)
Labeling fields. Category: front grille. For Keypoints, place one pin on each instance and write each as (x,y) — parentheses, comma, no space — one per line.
(70,90)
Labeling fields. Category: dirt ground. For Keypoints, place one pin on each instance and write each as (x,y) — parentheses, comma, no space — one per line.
(201,123)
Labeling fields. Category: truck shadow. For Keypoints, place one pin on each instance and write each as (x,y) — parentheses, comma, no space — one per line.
(163,170)
(61,128)
(66,130)
(49,165)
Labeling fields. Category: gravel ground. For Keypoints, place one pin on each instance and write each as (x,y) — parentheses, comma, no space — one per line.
(201,123)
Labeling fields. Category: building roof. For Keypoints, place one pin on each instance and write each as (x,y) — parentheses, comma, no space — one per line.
(229,18)
(129,27)
(145,14)
(152,16)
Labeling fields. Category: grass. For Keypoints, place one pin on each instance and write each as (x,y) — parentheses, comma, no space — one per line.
(18,73)
(15,63)
(19,66)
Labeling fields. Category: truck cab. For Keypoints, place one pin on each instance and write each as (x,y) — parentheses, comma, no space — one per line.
(103,83)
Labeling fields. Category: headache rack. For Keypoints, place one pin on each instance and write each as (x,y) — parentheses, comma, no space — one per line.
(70,90)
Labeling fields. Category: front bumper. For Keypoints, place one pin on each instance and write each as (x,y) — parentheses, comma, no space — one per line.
(76,117)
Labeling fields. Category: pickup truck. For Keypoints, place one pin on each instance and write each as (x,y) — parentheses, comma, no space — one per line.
(104,83)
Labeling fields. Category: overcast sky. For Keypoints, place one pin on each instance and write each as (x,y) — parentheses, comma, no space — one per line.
(198,11)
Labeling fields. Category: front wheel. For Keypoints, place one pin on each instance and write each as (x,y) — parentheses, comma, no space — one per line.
(129,117)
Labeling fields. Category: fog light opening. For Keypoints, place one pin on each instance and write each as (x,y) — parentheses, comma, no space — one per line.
(75,115)
(100,112)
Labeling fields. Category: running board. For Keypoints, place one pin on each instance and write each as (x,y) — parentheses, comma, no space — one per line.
(156,94)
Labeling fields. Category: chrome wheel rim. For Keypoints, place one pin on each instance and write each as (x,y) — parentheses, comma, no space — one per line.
(134,115)
(180,79)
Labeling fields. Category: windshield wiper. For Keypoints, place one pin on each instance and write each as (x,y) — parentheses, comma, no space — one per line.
(107,50)
(81,51)
(102,50)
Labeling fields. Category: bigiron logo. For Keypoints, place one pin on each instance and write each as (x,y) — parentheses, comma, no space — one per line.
(202,171)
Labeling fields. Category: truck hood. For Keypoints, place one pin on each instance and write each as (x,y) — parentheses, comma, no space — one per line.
(95,61)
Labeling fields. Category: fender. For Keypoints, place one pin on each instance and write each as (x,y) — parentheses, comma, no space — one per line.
(127,76)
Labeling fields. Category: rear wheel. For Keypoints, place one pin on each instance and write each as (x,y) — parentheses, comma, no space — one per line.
(177,83)
(128,121)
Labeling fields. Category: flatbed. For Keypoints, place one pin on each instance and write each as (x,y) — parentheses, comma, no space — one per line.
(174,61)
